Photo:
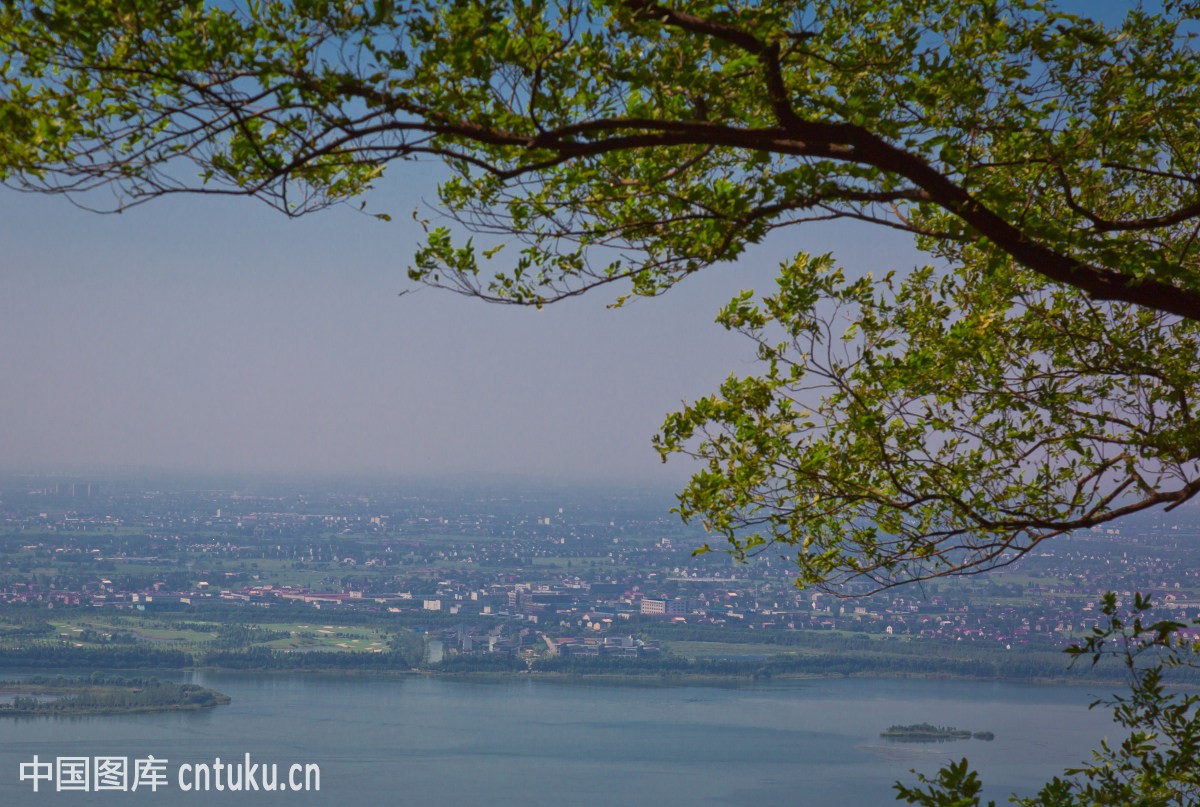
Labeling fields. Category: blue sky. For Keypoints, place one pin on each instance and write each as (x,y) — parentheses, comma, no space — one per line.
(215,334)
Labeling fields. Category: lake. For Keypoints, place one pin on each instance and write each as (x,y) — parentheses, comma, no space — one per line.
(536,742)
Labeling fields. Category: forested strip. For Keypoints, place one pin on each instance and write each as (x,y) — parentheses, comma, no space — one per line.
(264,659)
(491,662)
(120,657)
(1018,666)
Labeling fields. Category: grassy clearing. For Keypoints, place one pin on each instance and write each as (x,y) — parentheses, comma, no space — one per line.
(300,635)
(173,635)
(160,633)
(336,638)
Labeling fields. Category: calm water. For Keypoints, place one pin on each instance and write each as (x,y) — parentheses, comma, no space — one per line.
(425,741)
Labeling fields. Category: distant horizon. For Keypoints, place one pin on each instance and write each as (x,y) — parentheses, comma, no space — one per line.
(328,482)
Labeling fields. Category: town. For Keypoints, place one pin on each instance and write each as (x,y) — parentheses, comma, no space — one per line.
(490,572)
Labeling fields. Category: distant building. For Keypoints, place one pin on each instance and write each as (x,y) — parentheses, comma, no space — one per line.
(665,607)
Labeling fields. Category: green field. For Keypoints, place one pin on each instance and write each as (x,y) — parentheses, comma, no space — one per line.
(197,636)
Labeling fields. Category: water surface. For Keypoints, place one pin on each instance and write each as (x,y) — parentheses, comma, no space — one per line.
(547,743)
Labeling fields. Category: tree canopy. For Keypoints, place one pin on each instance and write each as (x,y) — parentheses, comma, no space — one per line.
(1153,765)
(1037,377)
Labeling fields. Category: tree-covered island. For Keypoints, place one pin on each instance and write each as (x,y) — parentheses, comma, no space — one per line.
(929,733)
(100,694)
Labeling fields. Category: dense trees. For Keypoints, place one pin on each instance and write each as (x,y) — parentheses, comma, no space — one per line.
(42,655)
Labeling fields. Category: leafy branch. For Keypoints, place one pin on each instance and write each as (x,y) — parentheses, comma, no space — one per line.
(1154,766)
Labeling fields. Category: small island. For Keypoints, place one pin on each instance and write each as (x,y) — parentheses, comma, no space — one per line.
(929,733)
(102,695)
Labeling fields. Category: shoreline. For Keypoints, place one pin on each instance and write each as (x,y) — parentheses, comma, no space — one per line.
(666,677)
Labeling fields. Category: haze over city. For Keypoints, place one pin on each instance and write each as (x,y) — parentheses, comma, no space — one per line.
(218,335)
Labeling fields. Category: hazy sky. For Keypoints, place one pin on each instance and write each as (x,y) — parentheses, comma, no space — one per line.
(215,334)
